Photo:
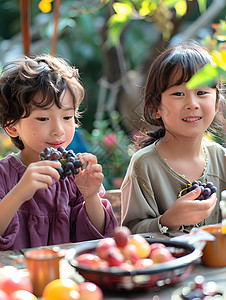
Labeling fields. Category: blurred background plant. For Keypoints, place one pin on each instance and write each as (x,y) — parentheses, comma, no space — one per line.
(216,72)
(113,148)
(217,47)
(6,146)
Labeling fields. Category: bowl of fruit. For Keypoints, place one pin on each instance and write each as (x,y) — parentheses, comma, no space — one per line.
(132,262)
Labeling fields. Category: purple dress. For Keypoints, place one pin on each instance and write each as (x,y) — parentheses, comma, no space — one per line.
(53,216)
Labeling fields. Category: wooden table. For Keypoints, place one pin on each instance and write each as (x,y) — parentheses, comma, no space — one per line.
(164,293)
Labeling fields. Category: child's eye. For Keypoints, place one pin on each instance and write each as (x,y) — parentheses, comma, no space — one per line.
(201,93)
(178,94)
(42,119)
(68,117)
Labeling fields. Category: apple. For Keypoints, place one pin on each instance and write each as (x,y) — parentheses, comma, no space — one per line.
(22,295)
(130,253)
(103,246)
(157,245)
(143,247)
(126,267)
(89,259)
(90,291)
(3,295)
(143,263)
(12,279)
(121,235)
(161,255)
(6,272)
(115,257)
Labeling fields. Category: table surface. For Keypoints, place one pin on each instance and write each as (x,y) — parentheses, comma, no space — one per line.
(164,293)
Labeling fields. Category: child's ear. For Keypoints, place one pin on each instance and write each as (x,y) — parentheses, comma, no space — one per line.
(11,130)
(157,115)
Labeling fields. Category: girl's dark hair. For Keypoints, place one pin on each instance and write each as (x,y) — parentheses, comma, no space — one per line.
(21,80)
(185,59)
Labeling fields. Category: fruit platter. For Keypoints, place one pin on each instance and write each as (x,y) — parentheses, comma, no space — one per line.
(128,262)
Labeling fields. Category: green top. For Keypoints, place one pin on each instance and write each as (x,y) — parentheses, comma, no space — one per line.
(151,187)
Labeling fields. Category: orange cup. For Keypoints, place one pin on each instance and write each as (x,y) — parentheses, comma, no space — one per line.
(214,252)
(43,266)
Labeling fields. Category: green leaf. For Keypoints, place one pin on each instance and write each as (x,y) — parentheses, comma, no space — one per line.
(202,5)
(123,10)
(118,21)
(204,77)
(147,8)
(114,33)
(181,8)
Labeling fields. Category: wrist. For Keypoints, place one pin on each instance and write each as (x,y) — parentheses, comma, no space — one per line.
(17,194)
(168,221)
(163,229)
(92,198)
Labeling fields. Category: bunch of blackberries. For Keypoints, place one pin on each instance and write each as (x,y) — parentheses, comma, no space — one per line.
(207,189)
(70,163)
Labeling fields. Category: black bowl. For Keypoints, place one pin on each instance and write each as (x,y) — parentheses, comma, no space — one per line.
(161,274)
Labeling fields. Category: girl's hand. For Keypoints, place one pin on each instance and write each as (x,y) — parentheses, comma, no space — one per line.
(186,210)
(37,176)
(89,180)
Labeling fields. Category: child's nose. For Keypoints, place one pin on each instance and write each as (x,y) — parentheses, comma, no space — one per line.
(57,129)
(192,102)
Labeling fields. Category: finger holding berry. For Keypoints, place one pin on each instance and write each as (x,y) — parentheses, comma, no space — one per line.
(89,180)
(191,210)
(38,175)
(70,164)
(207,189)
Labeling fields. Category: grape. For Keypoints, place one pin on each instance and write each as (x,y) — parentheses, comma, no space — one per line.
(206,193)
(207,189)
(70,164)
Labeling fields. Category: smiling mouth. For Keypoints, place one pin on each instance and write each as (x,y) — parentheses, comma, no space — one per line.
(56,144)
(191,119)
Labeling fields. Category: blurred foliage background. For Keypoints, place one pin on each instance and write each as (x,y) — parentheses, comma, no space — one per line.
(113,44)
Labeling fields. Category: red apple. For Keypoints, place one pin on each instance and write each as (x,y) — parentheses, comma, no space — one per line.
(157,246)
(126,267)
(115,257)
(12,279)
(89,260)
(90,291)
(22,295)
(103,247)
(143,263)
(130,253)
(161,255)
(7,272)
(121,235)
(3,295)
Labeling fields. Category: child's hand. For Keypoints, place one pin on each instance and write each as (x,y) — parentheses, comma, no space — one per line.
(89,180)
(37,176)
(186,210)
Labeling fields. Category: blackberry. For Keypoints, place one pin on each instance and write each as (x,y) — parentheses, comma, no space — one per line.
(70,164)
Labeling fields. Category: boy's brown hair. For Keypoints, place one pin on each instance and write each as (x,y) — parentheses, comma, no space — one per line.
(21,80)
